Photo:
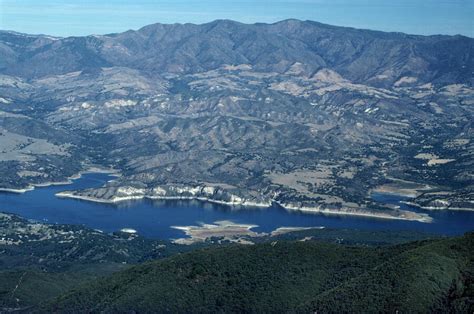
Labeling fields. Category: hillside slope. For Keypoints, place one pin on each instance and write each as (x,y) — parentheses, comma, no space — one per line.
(41,261)
(435,275)
(310,116)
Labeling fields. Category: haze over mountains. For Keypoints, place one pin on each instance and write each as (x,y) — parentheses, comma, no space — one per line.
(310,116)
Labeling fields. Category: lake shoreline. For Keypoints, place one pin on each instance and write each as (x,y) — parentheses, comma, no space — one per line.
(118,200)
(432,208)
(153,218)
(423,218)
(230,231)
(93,169)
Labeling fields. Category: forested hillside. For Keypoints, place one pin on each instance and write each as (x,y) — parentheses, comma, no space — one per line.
(432,275)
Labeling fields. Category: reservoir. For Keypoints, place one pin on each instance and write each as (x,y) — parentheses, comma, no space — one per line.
(154,219)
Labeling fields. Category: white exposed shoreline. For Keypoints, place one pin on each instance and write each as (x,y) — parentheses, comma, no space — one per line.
(31,187)
(437,208)
(116,200)
(19,191)
(418,217)
(315,210)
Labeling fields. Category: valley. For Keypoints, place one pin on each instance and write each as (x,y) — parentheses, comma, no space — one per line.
(236,156)
(317,131)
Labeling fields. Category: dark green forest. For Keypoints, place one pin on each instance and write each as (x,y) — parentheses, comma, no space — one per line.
(290,276)
(62,268)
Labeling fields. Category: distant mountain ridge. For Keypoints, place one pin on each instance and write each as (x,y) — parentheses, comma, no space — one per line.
(364,56)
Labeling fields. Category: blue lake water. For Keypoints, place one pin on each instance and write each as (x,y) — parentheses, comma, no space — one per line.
(154,219)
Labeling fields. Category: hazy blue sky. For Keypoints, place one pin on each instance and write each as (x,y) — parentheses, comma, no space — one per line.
(64,18)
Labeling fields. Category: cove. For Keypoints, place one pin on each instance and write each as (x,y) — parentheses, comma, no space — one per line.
(153,219)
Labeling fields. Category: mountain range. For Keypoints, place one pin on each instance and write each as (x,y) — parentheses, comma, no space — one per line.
(309,116)
(362,56)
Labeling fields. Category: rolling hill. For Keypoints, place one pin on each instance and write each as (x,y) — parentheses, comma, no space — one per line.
(426,276)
